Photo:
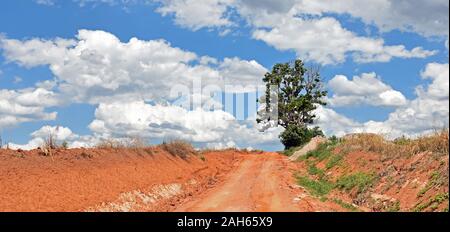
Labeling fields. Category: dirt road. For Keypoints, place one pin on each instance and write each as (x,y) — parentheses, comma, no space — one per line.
(150,180)
(261,182)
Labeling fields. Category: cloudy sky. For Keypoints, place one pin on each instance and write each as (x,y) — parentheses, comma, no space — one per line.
(85,70)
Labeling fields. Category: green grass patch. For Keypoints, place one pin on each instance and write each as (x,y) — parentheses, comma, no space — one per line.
(360,180)
(315,187)
(315,171)
(334,160)
(394,207)
(433,203)
(322,152)
(434,181)
(345,205)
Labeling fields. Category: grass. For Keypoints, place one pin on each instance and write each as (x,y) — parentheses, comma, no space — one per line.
(317,184)
(437,143)
(394,207)
(435,180)
(315,187)
(315,171)
(334,160)
(433,203)
(179,148)
(322,152)
(345,205)
(322,187)
(290,151)
(48,145)
(131,142)
(360,180)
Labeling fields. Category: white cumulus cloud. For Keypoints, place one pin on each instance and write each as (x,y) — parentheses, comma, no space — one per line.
(325,41)
(25,105)
(122,119)
(97,67)
(367,89)
(197,14)
(59,135)
(428,112)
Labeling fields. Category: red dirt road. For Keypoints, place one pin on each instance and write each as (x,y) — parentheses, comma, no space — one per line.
(150,180)
(260,183)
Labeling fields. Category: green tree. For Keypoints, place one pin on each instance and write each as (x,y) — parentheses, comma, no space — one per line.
(298,92)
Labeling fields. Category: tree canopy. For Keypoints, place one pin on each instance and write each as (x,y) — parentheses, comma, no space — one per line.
(292,94)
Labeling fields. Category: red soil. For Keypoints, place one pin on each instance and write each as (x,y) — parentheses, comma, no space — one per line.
(150,180)
(77,179)
(400,180)
(153,180)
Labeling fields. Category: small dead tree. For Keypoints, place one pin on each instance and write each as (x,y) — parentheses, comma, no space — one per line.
(49,145)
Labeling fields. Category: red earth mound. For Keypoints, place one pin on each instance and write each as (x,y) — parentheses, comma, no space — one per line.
(370,181)
(102,179)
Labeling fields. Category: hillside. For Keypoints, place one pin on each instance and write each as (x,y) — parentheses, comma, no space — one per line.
(364,172)
(361,172)
(104,179)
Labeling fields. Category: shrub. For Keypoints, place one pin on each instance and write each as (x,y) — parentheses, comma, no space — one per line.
(48,146)
(110,143)
(86,155)
(64,145)
(130,142)
(334,140)
(179,148)
(135,142)
(295,136)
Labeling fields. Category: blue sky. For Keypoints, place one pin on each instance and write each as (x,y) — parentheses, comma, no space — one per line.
(232,33)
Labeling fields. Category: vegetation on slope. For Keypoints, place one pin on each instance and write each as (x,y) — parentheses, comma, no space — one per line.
(378,174)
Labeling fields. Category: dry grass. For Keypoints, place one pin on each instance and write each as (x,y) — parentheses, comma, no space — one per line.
(110,144)
(179,148)
(436,143)
(232,149)
(48,146)
(132,142)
